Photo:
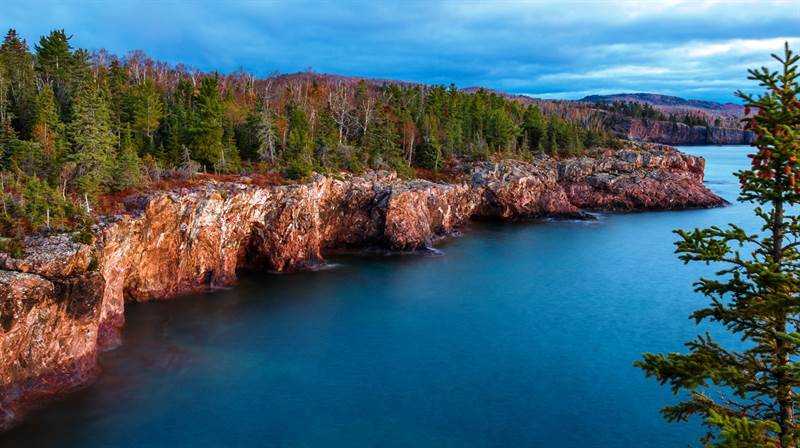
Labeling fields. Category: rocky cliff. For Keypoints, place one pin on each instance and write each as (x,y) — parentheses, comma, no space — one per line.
(669,133)
(63,302)
(49,315)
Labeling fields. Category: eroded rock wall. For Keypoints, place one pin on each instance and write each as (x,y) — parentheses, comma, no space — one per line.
(64,301)
(627,180)
(49,321)
(669,133)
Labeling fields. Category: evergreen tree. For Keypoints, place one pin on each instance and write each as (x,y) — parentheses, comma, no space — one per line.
(26,156)
(207,146)
(429,154)
(177,126)
(58,66)
(5,110)
(92,140)
(747,394)
(453,136)
(147,110)
(119,102)
(299,152)
(534,127)
(127,169)
(552,139)
(48,130)
(500,130)
(231,162)
(326,141)
(383,145)
(17,64)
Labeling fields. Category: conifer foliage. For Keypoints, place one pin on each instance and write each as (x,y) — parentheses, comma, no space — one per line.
(747,394)
(93,142)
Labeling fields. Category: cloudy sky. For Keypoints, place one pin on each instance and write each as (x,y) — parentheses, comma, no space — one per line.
(697,49)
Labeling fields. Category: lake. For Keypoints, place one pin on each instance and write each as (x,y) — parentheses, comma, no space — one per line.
(514,335)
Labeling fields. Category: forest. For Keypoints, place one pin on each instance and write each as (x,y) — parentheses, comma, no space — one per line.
(78,127)
(646,111)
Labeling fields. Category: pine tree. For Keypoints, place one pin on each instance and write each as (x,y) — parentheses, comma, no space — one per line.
(299,149)
(207,133)
(429,154)
(147,109)
(747,395)
(231,161)
(178,124)
(5,109)
(48,130)
(17,64)
(127,169)
(383,145)
(326,139)
(552,138)
(501,129)
(53,56)
(119,102)
(92,140)
(58,66)
(26,156)
(534,127)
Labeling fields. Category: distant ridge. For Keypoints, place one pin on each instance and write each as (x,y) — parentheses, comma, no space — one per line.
(666,101)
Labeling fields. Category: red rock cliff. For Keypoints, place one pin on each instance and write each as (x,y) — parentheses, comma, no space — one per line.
(64,301)
(670,133)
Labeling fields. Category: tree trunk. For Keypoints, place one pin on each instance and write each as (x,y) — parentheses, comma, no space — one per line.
(784,382)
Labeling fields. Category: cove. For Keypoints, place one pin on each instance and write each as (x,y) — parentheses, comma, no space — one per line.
(515,335)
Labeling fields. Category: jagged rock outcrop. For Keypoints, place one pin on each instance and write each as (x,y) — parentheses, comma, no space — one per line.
(63,302)
(419,212)
(647,179)
(669,133)
(49,319)
(513,189)
(57,256)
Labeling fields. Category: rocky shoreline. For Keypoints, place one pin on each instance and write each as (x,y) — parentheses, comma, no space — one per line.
(669,133)
(63,302)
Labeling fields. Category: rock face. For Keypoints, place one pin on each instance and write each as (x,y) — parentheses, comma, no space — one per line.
(514,189)
(628,180)
(64,301)
(49,316)
(670,133)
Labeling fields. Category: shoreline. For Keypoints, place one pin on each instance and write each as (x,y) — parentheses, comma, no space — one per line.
(189,241)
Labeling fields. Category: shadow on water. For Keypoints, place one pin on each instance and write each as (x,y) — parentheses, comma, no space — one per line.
(514,335)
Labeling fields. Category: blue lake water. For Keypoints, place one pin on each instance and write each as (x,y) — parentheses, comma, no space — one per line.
(516,335)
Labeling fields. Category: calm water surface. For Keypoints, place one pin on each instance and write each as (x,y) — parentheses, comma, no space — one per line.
(517,335)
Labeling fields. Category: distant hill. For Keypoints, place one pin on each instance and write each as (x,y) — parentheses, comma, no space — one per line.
(667,102)
(672,120)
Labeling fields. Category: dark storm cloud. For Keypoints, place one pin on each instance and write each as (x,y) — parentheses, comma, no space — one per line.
(694,49)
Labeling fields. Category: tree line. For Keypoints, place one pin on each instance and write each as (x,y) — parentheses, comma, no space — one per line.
(645,111)
(75,126)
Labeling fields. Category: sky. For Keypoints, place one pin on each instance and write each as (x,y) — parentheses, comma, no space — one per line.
(695,49)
